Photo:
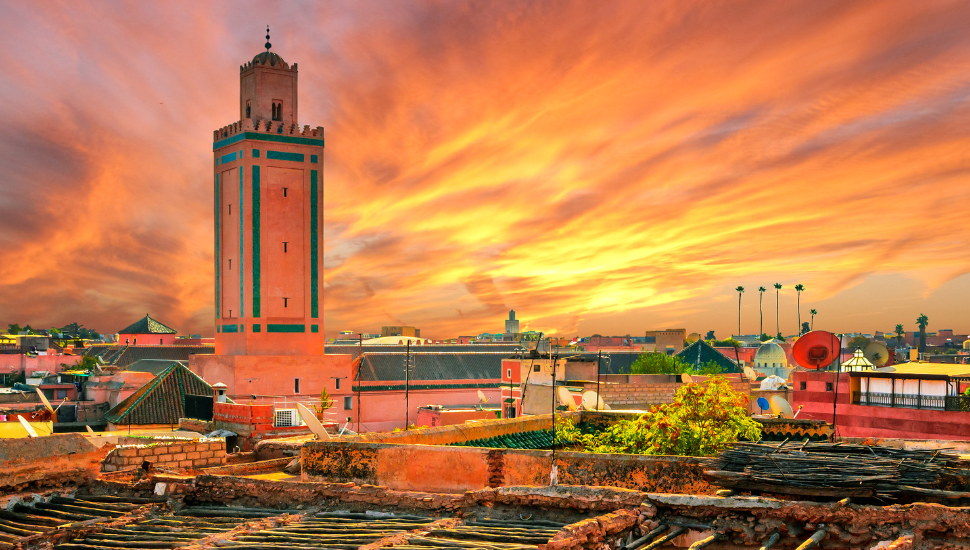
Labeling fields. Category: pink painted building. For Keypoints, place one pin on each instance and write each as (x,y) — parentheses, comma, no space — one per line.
(915,401)
(268,194)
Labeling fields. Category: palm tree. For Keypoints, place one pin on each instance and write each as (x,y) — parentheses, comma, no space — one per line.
(900,332)
(922,321)
(777,323)
(814,312)
(740,291)
(761,313)
(798,289)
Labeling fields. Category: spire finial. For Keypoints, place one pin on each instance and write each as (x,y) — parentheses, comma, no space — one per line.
(268,45)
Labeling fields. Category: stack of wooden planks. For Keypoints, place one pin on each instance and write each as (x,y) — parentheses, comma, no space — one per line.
(831,470)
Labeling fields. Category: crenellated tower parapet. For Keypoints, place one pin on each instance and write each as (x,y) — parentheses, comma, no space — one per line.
(266,127)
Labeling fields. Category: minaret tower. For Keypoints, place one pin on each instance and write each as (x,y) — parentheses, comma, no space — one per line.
(268,219)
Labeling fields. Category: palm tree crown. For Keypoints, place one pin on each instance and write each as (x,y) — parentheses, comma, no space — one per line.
(814,312)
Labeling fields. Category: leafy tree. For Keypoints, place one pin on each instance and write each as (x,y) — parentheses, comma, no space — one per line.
(814,312)
(806,328)
(703,420)
(764,337)
(779,337)
(900,333)
(14,329)
(727,343)
(710,335)
(658,363)
(922,321)
(28,329)
(777,297)
(859,342)
(740,291)
(798,292)
(56,333)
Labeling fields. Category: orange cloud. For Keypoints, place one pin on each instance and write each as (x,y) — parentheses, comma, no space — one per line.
(600,168)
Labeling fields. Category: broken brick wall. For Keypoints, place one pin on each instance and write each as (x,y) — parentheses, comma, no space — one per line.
(172,453)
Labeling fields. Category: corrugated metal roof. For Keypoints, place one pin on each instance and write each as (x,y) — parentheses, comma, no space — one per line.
(384,367)
(355,351)
(161,400)
(122,356)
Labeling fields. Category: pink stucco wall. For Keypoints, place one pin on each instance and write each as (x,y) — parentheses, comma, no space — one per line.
(11,363)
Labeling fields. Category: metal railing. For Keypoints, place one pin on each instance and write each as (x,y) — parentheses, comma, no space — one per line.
(958,403)
(904,400)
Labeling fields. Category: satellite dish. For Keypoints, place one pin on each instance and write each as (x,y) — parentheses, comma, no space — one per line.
(592,401)
(686,379)
(781,407)
(886,369)
(566,398)
(749,372)
(311,422)
(482,398)
(30,429)
(816,349)
(877,353)
(763,404)
(44,399)
(90,431)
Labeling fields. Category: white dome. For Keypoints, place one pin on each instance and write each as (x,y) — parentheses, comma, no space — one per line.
(770,355)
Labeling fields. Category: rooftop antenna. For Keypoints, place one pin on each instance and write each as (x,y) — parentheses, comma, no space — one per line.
(268,45)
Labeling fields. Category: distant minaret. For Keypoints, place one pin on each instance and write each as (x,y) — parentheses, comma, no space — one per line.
(268,219)
(511,324)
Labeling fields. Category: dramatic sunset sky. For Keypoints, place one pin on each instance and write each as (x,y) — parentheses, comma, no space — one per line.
(601,167)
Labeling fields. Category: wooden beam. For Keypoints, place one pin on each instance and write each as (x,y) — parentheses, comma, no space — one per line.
(647,538)
(772,540)
(707,541)
(814,539)
(674,533)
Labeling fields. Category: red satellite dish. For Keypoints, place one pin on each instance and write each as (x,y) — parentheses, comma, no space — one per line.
(816,349)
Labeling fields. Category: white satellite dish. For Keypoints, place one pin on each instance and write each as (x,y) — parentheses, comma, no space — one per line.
(780,406)
(90,431)
(44,399)
(311,421)
(482,398)
(592,401)
(750,374)
(877,353)
(30,429)
(566,398)
(686,378)
(886,369)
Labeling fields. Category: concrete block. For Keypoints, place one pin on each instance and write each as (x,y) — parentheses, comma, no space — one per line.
(193,456)
(174,449)
(200,462)
(179,457)
(207,454)
(185,464)
(159,450)
(147,451)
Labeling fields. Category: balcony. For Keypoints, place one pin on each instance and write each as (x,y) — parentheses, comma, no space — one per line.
(911,401)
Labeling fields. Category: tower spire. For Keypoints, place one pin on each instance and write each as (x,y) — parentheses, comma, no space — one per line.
(268,45)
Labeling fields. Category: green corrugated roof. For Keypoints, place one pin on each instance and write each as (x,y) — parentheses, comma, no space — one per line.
(161,400)
(538,439)
(700,352)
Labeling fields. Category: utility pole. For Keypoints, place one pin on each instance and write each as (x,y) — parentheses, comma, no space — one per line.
(554,470)
(360,363)
(407,387)
(599,357)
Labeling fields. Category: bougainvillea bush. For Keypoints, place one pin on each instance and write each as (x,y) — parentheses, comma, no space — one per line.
(704,419)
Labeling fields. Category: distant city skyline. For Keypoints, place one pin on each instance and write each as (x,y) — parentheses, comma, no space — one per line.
(602,169)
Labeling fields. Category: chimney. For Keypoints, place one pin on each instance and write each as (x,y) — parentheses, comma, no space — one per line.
(219,392)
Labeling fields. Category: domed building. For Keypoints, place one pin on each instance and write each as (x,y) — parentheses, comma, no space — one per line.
(771,359)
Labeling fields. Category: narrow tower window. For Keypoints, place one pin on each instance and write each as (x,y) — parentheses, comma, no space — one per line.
(284,191)
(230,209)
(277,111)
(249,109)
(296,385)
(230,314)
(284,246)
(230,264)
(285,302)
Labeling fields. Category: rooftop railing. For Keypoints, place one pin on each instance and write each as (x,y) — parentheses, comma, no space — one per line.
(912,401)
